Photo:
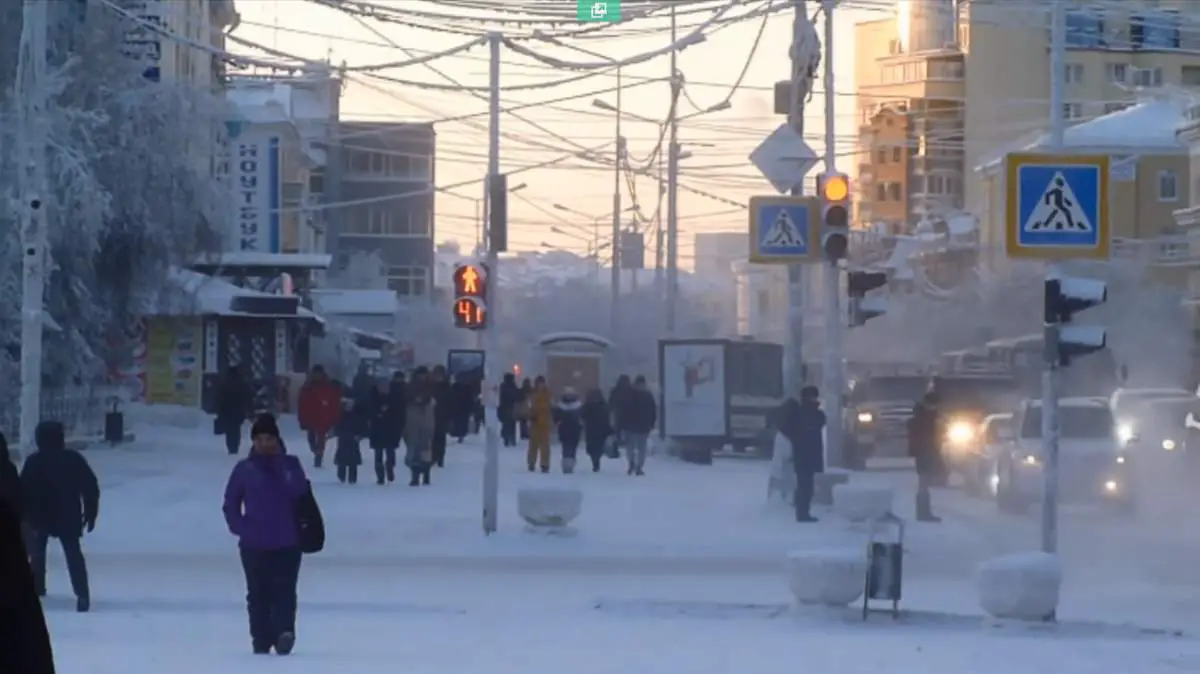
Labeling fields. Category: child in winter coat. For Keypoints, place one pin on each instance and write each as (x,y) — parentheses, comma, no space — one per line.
(348,456)
(568,419)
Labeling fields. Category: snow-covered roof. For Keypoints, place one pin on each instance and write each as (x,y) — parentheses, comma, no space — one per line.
(377,336)
(257,259)
(355,302)
(190,293)
(1145,128)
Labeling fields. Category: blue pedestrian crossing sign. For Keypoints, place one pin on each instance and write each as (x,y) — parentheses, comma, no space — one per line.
(784,230)
(1057,206)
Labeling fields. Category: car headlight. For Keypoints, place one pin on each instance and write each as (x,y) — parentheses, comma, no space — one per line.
(1169,445)
(865,417)
(1111,486)
(960,433)
(1120,459)
(1125,433)
(1030,460)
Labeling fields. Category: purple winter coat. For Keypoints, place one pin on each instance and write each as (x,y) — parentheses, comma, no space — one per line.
(260,501)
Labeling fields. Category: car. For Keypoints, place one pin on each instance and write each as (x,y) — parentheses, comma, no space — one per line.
(1129,407)
(1092,464)
(972,450)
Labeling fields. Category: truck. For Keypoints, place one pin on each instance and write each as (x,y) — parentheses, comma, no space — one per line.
(719,393)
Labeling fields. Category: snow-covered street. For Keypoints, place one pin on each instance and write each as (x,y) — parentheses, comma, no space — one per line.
(680,569)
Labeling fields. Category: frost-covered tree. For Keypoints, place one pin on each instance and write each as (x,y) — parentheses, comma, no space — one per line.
(131,191)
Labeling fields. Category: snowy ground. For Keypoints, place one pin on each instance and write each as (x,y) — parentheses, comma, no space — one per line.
(677,571)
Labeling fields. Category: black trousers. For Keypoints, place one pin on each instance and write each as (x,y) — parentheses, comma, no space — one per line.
(508,432)
(803,497)
(347,472)
(271,578)
(385,462)
(438,449)
(76,565)
(233,435)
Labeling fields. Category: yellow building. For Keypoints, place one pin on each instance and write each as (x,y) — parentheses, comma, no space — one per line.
(974,75)
(199,22)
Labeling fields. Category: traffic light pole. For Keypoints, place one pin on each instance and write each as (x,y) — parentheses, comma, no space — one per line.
(491,463)
(796,375)
(1051,325)
(834,329)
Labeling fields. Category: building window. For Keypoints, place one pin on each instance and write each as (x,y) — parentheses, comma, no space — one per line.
(880,156)
(1073,73)
(408,281)
(1155,30)
(1116,73)
(881,192)
(1191,76)
(1085,28)
(1168,186)
(1110,108)
(894,191)
(1072,111)
(897,153)
(1148,77)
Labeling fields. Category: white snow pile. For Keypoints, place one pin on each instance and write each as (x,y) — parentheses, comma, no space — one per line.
(862,502)
(549,506)
(1024,586)
(832,577)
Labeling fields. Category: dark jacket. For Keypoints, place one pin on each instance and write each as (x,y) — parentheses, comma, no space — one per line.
(348,450)
(10,479)
(397,396)
(802,424)
(462,407)
(260,501)
(597,424)
(235,399)
(568,419)
(59,491)
(509,395)
(925,429)
(444,405)
(26,640)
(637,412)
(382,431)
(618,402)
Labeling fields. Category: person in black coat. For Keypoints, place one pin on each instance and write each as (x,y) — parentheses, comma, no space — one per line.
(235,404)
(618,403)
(347,455)
(802,423)
(522,412)
(397,396)
(443,401)
(381,436)
(10,479)
(506,409)
(60,496)
(26,640)
(567,414)
(925,432)
(597,426)
(637,415)
(462,406)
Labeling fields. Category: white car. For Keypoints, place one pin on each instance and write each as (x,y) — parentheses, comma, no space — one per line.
(1092,466)
(1128,407)
(976,468)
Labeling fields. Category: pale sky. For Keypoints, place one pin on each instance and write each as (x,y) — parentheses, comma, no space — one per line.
(719,142)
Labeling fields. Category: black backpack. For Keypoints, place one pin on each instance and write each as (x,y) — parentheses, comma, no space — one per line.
(310,523)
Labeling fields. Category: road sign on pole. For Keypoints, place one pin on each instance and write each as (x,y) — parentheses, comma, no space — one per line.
(784,159)
(784,230)
(1057,206)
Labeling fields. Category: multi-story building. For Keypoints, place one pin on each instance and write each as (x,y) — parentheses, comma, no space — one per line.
(972,78)
(383,175)
(198,21)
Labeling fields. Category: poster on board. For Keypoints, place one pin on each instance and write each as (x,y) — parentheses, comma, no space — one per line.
(693,390)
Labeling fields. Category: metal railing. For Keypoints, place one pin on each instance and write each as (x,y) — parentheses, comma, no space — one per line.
(80,409)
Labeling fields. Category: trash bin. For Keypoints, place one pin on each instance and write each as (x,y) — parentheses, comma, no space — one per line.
(114,422)
(885,563)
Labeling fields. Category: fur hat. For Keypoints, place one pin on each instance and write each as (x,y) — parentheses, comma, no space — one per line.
(265,424)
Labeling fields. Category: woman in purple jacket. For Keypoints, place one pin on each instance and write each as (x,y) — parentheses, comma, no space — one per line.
(260,509)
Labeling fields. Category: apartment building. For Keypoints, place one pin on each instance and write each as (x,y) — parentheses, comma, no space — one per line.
(972,79)
(198,21)
(383,173)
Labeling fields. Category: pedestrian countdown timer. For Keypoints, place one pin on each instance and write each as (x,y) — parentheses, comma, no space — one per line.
(470,296)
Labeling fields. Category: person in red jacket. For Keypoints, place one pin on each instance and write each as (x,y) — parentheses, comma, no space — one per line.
(319,411)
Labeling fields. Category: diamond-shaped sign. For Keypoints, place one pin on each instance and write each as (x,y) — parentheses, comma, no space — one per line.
(784,159)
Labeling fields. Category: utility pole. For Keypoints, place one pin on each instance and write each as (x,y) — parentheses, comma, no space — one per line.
(660,190)
(834,330)
(615,303)
(796,376)
(1051,327)
(32,194)
(491,464)
(673,186)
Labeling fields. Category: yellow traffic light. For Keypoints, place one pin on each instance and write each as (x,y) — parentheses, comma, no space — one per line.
(835,188)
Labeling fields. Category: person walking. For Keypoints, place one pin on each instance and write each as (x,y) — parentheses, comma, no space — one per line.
(383,436)
(803,424)
(639,416)
(597,426)
(420,428)
(60,498)
(522,408)
(10,477)
(261,504)
(568,420)
(462,407)
(443,407)
(26,640)
(235,403)
(347,457)
(318,411)
(925,433)
(506,409)
(618,402)
(540,422)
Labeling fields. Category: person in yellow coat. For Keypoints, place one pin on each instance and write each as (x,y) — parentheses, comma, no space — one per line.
(541,413)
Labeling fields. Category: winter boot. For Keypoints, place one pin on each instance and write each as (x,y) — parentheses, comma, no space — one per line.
(83,604)
(285,643)
(630,471)
(416,477)
(595,464)
(341,474)
(379,476)
(353,470)
(391,473)
(568,466)
(545,469)
(425,476)
(317,457)
(639,472)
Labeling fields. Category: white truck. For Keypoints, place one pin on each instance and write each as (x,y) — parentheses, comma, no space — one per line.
(718,393)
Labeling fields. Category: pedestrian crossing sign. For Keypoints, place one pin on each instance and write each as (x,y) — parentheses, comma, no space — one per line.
(783,229)
(1057,206)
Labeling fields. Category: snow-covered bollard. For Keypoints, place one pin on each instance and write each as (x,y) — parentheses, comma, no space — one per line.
(1023,586)
(549,508)
(832,577)
(862,502)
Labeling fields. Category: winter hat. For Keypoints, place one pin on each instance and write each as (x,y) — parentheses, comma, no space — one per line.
(50,435)
(809,393)
(265,424)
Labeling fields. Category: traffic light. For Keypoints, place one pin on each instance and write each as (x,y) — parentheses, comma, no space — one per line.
(1066,297)
(862,307)
(834,191)
(470,296)
(498,213)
